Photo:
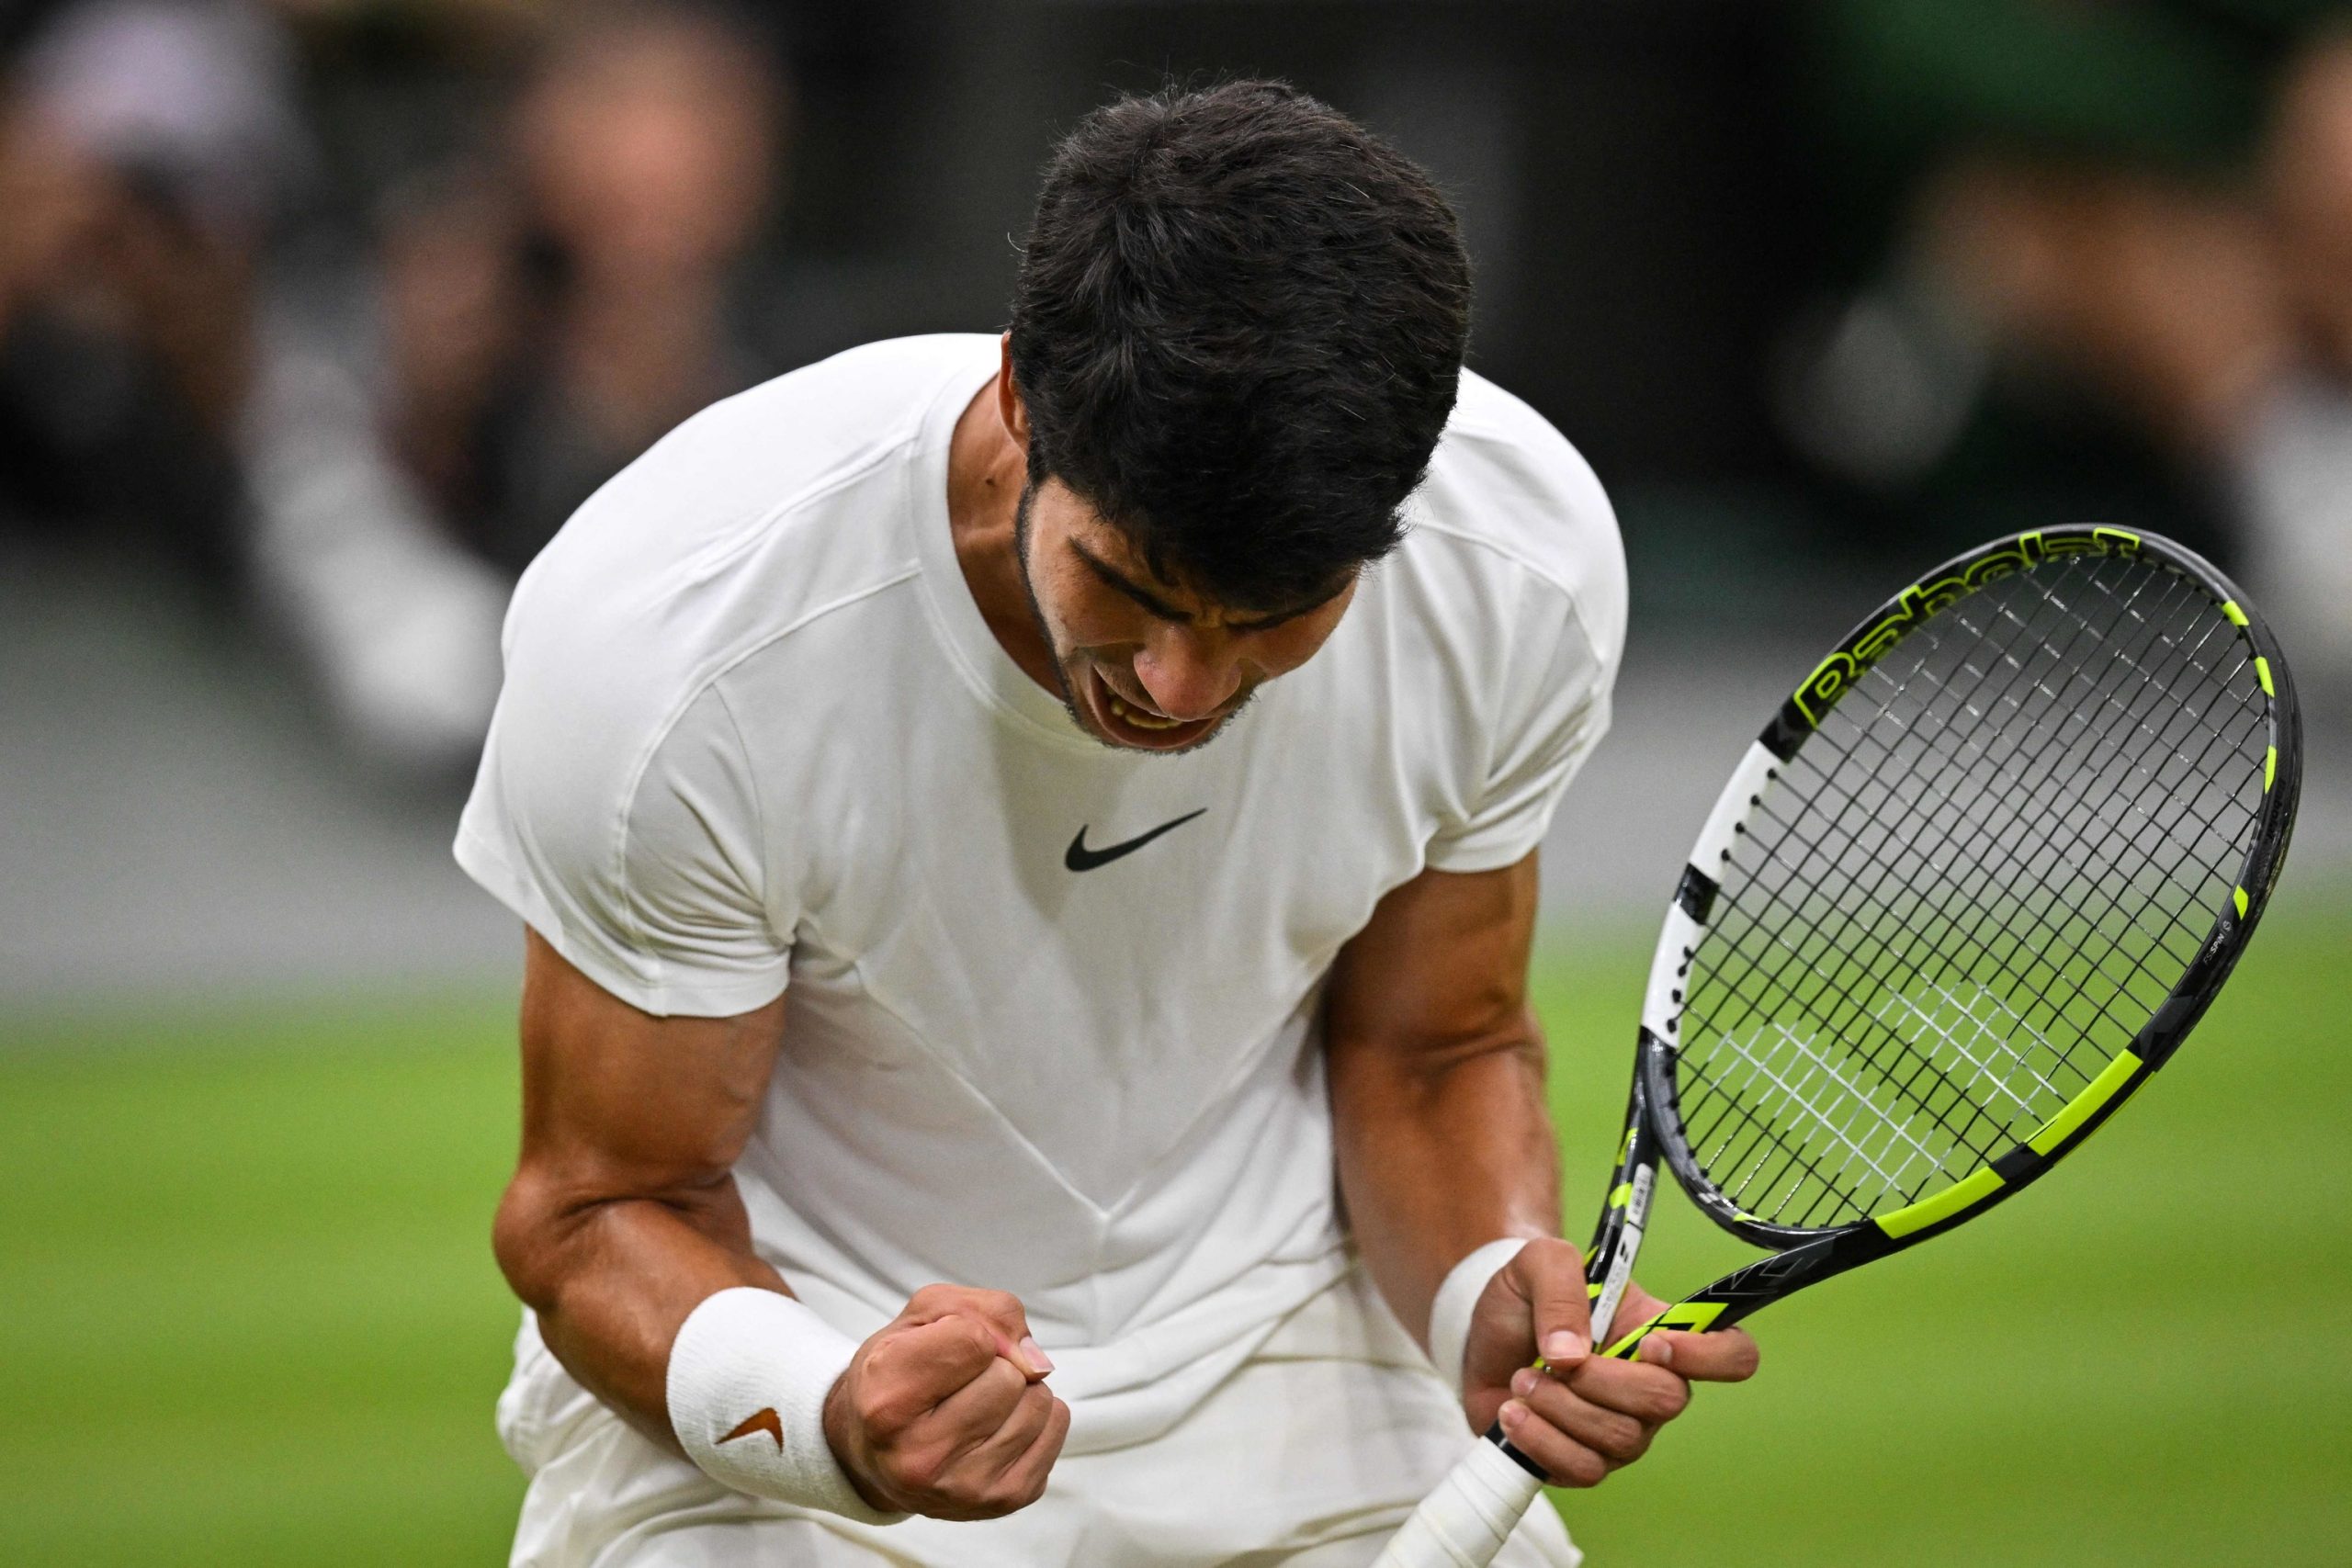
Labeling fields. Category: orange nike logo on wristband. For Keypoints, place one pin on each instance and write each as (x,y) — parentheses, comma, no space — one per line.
(759,1421)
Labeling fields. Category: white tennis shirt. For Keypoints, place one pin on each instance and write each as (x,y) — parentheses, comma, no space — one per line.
(756,738)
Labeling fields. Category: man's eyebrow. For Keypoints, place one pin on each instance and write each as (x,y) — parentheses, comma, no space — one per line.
(1168,612)
(1295,611)
(1142,596)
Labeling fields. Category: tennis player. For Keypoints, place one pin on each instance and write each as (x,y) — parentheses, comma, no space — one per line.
(1028,846)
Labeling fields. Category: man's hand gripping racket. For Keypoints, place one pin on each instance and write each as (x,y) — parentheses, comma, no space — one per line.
(1972,885)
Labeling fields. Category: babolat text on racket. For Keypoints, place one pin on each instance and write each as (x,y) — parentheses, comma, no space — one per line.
(1973,885)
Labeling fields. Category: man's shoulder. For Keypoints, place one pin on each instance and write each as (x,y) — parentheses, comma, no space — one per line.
(846,404)
(755,517)
(781,446)
(1506,488)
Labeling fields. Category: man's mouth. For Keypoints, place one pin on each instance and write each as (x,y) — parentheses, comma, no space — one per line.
(1148,720)
(1136,724)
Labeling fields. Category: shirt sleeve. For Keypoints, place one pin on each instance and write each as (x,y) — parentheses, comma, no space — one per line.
(640,862)
(1552,711)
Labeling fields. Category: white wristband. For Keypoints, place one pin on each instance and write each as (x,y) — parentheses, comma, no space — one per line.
(746,1390)
(1450,1314)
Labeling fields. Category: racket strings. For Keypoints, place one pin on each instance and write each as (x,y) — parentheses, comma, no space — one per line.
(2103,883)
(2012,864)
(1965,1053)
(1970,1054)
(1970,888)
(1980,1070)
(1808,962)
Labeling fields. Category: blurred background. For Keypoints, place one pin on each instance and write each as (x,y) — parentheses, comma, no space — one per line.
(317,318)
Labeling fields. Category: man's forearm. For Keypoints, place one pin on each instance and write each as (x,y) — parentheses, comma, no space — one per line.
(611,1280)
(623,1216)
(1440,1151)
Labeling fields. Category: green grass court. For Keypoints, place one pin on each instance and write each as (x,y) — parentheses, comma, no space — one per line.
(248,1314)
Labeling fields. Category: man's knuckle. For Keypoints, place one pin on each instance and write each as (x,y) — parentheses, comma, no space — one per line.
(985,1498)
(1580,1467)
(1623,1438)
(1551,1401)
(885,1411)
(1592,1374)
(916,1473)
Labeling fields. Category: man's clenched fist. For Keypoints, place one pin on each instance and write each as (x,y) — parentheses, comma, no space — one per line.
(946,1412)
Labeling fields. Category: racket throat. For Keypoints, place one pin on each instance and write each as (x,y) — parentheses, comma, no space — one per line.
(1618,1274)
(1745,1291)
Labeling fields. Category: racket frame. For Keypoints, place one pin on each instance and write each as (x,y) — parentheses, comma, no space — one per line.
(1798,1257)
(1465,1521)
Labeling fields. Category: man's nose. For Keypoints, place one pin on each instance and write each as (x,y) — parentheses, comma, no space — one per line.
(1186,674)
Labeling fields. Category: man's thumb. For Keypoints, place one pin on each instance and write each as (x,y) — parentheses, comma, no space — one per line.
(1551,1272)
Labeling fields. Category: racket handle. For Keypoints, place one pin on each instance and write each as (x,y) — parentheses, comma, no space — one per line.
(1465,1521)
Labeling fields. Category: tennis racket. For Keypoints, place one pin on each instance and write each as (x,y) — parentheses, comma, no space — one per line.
(1972,885)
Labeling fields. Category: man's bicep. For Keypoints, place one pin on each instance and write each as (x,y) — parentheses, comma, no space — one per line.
(619,1102)
(1442,965)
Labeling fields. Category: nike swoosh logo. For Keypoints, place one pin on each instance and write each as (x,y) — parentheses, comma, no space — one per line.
(1080,858)
(759,1421)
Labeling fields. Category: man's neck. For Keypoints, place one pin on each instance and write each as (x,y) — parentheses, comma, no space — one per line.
(986,470)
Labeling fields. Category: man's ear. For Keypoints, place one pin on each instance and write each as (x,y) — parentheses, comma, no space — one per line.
(1008,406)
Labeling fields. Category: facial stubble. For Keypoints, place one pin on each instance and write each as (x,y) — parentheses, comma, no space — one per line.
(1054,655)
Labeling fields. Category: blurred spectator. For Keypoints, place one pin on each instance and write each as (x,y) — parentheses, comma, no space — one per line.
(2151,202)
(144,146)
(542,311)
(544,336)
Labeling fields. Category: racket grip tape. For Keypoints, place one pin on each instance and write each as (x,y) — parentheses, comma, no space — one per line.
(1465,1521)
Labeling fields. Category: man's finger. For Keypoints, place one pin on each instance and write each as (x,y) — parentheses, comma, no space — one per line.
(1002,1448)
(1000,1314)
(1617,1437)
(1728,1356)
(1550,1273)
(1024,1481)
(974,1412)
(940,1357)
(1644,1391)
(1566,1460)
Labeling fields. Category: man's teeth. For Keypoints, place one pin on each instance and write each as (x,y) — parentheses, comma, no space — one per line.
(1142,720)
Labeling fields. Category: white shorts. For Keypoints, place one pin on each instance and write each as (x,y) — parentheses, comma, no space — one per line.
(1309,1456)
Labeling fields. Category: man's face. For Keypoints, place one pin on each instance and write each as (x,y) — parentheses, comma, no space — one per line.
(1147,665)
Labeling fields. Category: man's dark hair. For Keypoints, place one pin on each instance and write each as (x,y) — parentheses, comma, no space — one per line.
(1239,331)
